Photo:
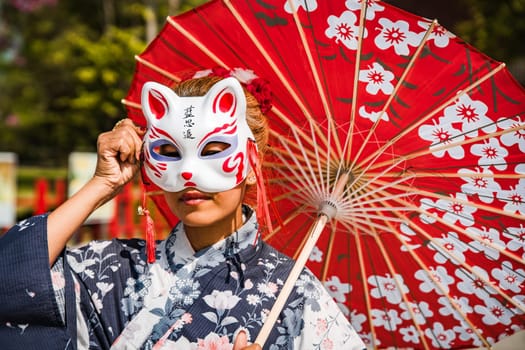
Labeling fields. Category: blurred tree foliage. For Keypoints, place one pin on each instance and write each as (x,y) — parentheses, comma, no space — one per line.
(65,65)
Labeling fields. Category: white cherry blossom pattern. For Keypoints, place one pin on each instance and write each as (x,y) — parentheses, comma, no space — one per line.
(520,168)
(490,153)
(444,138)
(441,338)
(307,5)
(316,255)
(474,283)
(426,206)
(449,248)
(514,198)
(407,233)
(471,114)
(357,320)
(438,280)
(373,115)
(465,333)
(410,334)
(387,287)
(439,34)
(494,312)
(489,244)
(509,278)
(457,209)
(417,312)
(337,289)
(396,35)
(516,237)
(457,307)
(516,137)
(479,182)
(520,301)
(377,79)
(388,319)
(344,29)
(373,6)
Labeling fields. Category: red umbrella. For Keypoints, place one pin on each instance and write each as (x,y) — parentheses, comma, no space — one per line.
(396,169)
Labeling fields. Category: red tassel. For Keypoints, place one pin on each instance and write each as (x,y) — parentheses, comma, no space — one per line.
(150,232)
(263,213)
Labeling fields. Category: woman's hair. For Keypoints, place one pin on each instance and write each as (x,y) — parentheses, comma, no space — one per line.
(254,117)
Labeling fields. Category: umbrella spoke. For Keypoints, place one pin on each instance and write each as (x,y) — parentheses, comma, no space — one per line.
(450,145)
(366,291)
(480,206)
(394,92)
(431,275)
(445,251)
(349,137)
(332,129)
(375,155)
(275,67)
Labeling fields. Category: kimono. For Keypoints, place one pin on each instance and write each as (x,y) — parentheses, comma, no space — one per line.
(106,296)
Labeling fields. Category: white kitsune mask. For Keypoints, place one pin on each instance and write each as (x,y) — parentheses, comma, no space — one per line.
(187,126)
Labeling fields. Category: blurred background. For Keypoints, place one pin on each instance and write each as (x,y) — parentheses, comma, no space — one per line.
(65,66)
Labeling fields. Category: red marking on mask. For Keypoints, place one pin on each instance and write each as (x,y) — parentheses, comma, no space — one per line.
(186,176)
(224,102)
(233,164)
(157,103)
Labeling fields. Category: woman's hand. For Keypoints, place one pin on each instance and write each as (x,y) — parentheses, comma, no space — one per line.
(118,161)
(241,343)
(119,154)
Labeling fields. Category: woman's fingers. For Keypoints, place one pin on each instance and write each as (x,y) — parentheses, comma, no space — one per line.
(129,140)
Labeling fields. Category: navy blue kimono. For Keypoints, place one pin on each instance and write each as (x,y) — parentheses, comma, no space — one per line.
(106,296)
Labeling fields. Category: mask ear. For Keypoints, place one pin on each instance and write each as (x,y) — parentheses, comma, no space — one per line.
(227,97)
(156,101)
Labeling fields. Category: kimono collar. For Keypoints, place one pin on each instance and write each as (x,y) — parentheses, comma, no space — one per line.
(180,253)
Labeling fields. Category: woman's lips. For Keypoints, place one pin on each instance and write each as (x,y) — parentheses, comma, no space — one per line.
(193,198)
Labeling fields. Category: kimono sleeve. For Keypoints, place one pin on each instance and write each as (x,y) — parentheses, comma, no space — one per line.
(26,291)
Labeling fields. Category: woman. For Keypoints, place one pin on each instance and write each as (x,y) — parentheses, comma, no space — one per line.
(212,281)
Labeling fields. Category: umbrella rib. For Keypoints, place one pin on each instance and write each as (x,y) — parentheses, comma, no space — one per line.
(438,196)
(429,274)
(365,283)
(349,136)
(304,180)
(196,42)
(156,68)
(397,87)
(393,271)
(329,249)
(277,71)
(429,115)
(289,218)
(422,174)
(313,69)
(443,250)
(131,104)
(446,146)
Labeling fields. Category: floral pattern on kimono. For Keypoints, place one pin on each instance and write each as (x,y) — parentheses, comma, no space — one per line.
(188,299)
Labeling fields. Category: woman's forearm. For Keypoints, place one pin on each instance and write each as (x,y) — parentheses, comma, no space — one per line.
(64,221)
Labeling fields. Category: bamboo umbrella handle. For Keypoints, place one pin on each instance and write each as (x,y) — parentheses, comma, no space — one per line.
(314,233)
(327,212)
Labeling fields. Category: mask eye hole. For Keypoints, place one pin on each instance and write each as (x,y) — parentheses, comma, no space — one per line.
(213,148)
(167,150)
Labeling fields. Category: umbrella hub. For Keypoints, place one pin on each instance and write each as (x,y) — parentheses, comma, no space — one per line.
(329,207)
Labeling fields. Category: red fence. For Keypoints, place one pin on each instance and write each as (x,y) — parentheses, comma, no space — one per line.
(124,222)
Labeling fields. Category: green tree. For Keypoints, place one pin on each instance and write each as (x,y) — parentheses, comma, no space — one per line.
(64,67)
